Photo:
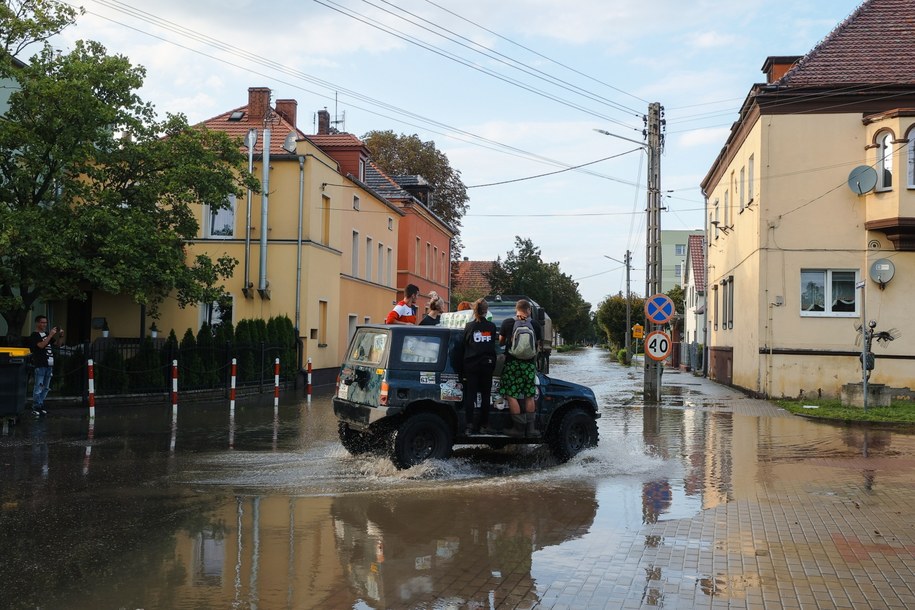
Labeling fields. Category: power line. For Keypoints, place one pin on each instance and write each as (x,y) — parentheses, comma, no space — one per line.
(501,58)
(554,173)
(471,138)
(538,54)
(460,60)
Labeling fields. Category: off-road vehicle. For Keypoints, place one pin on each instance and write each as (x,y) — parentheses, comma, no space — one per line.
(399,393)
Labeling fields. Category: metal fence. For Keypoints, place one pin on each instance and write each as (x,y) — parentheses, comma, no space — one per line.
(131,367)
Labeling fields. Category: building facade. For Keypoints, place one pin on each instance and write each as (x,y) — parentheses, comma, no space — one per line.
(797,235)
(673,256)
(694,328)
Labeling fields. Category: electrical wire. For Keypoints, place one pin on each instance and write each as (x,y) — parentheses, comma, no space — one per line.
(554,173)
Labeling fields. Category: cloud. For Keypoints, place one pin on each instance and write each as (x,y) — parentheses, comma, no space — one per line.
(711,40)
(703,137)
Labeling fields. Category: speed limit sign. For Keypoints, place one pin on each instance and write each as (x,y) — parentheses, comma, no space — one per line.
(657,345)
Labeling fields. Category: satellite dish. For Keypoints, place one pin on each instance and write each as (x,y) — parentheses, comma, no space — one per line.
(251,138)
(862,179)
(882,271)
(289,143)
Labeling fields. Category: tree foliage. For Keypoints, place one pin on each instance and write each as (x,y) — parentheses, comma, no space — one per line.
(27,22)
(95,192)
(525,273)
(409,155)
(611,317)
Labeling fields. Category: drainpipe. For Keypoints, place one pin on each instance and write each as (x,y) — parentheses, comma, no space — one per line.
(250,142)
(298,252)
(262,283)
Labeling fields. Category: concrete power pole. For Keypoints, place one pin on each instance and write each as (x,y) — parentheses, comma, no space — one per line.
(652,384)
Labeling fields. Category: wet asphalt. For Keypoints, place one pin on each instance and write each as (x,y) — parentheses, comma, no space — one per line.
(711,499)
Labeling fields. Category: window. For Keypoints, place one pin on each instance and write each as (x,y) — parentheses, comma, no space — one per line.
(361,169)
(220,223)
(368,348)
(743,189)
(325,220)
(725,304)
(368,258)
(428,259)
(356,202)
(380,277)
(322,323)
(355,253)
(352,321)
(420,348)
(214,313)
(751,178)
(678,273)
(390,224)
(390,267)
(444,269)
(416,256)
(730,316)
(910,149)
(715,313)
(829,292)
(716,221)
(434,258)
(727,209)
(885,161)
(680,250)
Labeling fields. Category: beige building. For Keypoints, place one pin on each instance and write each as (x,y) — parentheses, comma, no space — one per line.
(317,246)
(799,254)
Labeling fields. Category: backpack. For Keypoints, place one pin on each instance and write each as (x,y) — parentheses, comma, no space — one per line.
(524,341)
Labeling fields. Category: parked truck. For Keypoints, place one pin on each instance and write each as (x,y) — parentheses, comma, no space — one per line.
(502,306)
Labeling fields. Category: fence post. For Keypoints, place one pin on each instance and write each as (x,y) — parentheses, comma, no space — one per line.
(308,384)
(91,371)
(174,389)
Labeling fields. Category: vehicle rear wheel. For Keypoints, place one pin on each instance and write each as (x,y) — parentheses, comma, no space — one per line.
(421,437)
(576,432)
(354,441)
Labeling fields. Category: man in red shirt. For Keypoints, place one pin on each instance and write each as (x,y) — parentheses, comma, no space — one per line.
(405,311)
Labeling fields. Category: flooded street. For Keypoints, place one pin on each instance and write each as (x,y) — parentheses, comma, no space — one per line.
(712,498)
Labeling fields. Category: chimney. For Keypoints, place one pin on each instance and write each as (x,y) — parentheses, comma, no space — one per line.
(258,103)
(287,110)
(776,66)
(323,122)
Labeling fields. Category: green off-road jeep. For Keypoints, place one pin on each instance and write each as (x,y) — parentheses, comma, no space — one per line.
(398,393)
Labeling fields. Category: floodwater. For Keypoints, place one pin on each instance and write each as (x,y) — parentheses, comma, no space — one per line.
(264,509)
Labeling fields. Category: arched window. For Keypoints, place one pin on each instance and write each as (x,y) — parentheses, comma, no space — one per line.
(885,161)
(910,155)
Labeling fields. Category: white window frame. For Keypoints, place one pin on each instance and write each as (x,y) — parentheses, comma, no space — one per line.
(751,179)
(356,202)
(355,246)
(679,249)
(885,161)
(209,215)
(210,314)
(827,296)
(910,156)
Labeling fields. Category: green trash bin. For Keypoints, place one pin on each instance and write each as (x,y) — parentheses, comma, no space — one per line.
(14,377)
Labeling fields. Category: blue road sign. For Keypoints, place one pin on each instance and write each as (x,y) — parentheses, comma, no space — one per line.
(659,308)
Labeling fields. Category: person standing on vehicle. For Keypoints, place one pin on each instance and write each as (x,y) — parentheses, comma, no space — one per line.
(40,344)
(436,306)
(405,311)
(479,361)
(522,338)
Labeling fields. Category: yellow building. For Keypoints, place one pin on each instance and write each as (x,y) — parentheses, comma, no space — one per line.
(317,245)
(800,245)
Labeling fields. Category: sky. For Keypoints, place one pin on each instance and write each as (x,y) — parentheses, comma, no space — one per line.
(508,90)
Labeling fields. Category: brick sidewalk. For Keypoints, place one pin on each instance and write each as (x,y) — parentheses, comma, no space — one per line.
(828,528)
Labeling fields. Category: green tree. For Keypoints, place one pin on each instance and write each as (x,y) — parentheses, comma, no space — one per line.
(97,194)
(611,317)
(27,22)
(190,373)
(525,273)
(209,362)
(409,155)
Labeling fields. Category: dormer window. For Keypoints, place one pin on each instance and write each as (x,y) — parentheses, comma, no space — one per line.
(362,169)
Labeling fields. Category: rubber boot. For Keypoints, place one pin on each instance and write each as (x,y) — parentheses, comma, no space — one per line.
(516,431)
(531,431)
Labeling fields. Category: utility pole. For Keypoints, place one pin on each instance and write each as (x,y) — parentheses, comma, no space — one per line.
(652,380)
(628,262)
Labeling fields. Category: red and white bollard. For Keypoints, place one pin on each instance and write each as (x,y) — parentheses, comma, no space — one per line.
(308,383)
(276,383)
(91,368)
(232,384)
(174,388)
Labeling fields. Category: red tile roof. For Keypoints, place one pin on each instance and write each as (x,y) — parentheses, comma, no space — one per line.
(695,260)
(335,140)
(471,277)
(874,45)
(279,128)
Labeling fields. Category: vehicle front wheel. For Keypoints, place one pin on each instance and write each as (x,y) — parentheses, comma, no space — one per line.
(576,432)
(354,441)
(421,437)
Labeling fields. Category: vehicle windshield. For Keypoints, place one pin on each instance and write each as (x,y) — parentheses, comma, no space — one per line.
(368,346)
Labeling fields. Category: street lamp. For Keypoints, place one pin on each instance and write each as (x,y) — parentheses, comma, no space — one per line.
(628,306)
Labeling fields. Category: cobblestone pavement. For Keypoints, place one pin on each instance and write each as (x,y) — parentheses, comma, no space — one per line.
(813,527)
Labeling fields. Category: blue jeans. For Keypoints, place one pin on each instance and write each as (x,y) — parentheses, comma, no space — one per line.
(43,376)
